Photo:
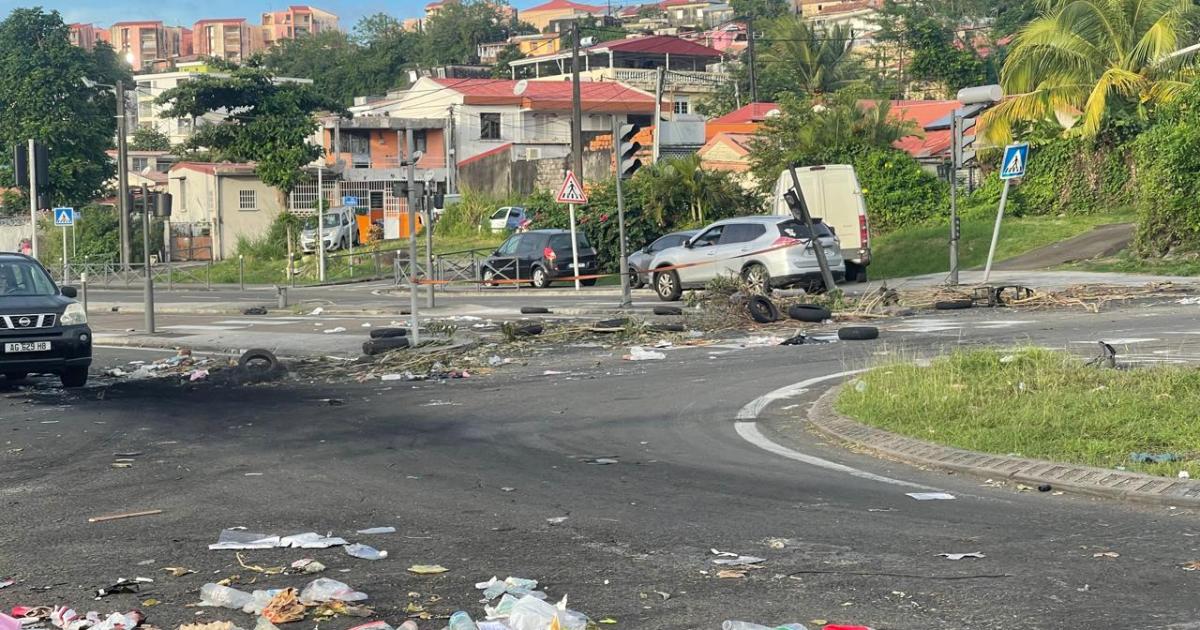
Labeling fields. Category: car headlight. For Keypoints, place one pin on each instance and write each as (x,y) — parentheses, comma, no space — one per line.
(74,315)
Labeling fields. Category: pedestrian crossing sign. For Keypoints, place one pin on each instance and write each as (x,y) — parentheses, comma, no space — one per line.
(1016,158)
(64,217)
(571,191)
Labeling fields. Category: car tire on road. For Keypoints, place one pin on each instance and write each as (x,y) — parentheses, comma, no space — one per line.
(75,377)
(534,310)
(763,310)
(379,346)
(259,359)
(389,333)
(668,310)
(666,327)
(666,285)
(541,279)
(809,313)
(858,333)
(953,305)
(635,279)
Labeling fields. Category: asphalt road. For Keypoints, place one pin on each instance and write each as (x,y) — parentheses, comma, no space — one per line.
(469,471)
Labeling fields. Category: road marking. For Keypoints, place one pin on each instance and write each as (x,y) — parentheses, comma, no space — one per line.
(199,327)
(747,429)
(252,322)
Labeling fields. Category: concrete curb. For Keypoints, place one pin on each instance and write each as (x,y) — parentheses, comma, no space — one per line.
(101,339)
(128,308)
(1101,482)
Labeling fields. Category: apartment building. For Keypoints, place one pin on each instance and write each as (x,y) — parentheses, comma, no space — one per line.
(231,39)
(85,36)
(295,21)
(142,43)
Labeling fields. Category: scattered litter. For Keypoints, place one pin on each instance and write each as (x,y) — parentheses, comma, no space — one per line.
(198,375)
(552,373)
(1194,565)
(220,596)
(557,520)
(332,609)
(366,324)
(377,530)
(1183,474)
(746,625)
(365,552)
(960,556)
(311,540)
(507,489)
(253,474)
(739,560)
(1106,554)
(239,538)
(254,310)
(285,607)
(115,517)
(307,566)
(317,311)
(601,461)
(392,377)
(931,496)
(882,510)
(332,331)
(7,582)
(777,543)
(427,569)
(323,590)
(332,402)
(1045,487)
(178,571)
(214,625)
(259,569)
(731,573)
(860,386)
(638,353)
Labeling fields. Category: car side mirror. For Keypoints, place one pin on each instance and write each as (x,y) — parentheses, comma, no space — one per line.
(689,244)
(70,292)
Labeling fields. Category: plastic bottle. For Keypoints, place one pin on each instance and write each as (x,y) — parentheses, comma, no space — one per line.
(223,596)
(461,621)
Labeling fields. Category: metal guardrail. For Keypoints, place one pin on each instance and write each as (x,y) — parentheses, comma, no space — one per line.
(111,274)
(464,266)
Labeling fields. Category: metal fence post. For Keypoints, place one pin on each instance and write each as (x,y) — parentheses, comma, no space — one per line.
(208,280)
(241,272)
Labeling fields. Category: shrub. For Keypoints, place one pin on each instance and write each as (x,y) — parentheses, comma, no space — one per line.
(898,191)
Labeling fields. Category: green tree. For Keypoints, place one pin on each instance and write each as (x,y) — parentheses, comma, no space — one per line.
(1098,57)
(938,57)
(1167,160)
(147,139)
(454,34)
(510,54)
(341,66)
(43,96)
(760,9)
(809,60)
(270,122)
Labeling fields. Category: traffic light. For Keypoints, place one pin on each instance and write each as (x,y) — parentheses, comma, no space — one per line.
(796,203)
(41,165)
(964,135)
(21,165)
(627,148)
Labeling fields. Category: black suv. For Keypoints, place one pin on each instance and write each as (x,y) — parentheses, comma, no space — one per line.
(43,330)
(538,257)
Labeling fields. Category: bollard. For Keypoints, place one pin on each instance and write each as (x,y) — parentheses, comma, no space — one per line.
(281,292)
(241,272)
(83,287)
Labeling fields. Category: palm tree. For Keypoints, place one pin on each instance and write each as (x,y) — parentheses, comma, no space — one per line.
(1088,56)
(810,60)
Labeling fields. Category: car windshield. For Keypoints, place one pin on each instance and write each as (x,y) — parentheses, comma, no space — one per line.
(560,242)
(332,221)
(797,230)
(22,277)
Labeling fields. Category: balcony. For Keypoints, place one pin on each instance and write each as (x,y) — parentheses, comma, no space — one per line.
(690,81)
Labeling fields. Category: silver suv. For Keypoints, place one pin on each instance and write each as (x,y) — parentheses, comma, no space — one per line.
(766,251)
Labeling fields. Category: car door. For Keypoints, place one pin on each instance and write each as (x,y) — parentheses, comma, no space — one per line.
(736,242)
(529,252)
(503,262)
(499,219)
(701,257)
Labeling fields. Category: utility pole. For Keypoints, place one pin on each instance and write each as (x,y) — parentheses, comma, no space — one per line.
(123,176)
(148,286)
(321,223)
(33,196)
(750,51)
(955,122)
(659,87)
(576,106)
(412,234)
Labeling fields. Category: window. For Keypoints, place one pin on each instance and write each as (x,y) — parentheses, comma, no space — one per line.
(742,233)
(562,242)
(500,214)
(796,229)
(682,107)
(247,200)
(489,126)
(180,200)
(528,248)
(510,246)
(140,164)
(710,237)
(667,242)
(419,140)
(21,277)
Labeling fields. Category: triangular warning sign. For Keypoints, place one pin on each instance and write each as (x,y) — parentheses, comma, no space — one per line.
(571,191)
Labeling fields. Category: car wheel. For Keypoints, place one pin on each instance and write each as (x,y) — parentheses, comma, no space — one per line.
(763,310)
(590,282)
(75,377)
(16,376)
(855,273)
(809,313)
(758,278)
(858,333)
(635,279)
(541,279)
(666,285)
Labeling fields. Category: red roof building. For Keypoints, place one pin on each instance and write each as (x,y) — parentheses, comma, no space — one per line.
(551,95)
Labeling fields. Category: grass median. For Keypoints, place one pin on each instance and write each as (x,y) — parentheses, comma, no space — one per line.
(1038,403)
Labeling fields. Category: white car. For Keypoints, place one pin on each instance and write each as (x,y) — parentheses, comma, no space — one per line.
(339,230)
(506,219)
(767,251)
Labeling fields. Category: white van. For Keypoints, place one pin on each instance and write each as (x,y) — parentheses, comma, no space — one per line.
(833,194)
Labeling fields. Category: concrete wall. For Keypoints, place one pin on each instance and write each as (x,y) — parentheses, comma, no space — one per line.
(499,174)
(236,222)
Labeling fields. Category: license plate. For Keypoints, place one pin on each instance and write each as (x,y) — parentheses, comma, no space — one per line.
(579,266)
(28,346)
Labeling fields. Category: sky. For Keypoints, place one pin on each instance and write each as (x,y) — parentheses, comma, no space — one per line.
(187,12)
